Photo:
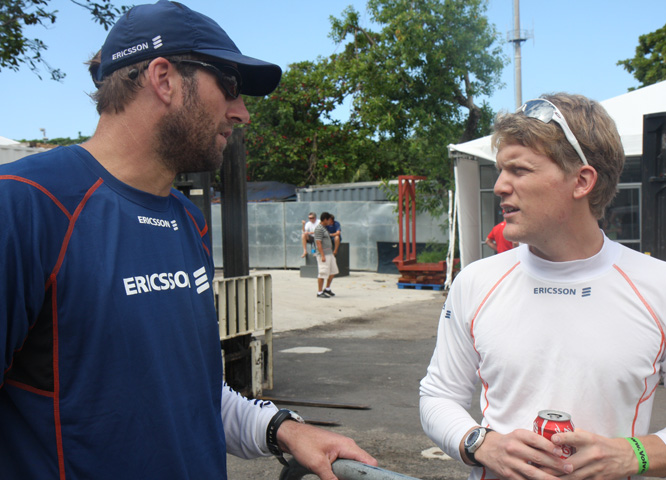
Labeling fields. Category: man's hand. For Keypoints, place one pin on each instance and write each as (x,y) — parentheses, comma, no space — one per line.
(316,449)
(598,457)
(522,454)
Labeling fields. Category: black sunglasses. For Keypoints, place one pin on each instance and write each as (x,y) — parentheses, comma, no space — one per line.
(228,77)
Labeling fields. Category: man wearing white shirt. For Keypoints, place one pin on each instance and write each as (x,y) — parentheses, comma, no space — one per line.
(307,234)
(568,321)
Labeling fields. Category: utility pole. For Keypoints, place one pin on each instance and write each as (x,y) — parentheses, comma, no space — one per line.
(517,37)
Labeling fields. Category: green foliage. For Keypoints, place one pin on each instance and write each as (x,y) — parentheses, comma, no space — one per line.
(292,137)
(15,15)
(649,64)
(62,141)
(433,253)
(419,76)
(412,86)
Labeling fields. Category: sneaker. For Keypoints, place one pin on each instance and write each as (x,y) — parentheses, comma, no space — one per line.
(322,295)
(329,292)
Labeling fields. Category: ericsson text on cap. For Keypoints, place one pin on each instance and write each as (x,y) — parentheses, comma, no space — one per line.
(130,51)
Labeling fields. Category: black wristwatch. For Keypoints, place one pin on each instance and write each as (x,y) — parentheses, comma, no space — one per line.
(271,432)
(473,441)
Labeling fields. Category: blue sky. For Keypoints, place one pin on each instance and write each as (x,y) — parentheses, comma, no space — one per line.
(575,47)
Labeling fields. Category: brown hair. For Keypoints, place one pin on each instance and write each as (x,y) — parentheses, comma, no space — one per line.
(118,89)
(595,131)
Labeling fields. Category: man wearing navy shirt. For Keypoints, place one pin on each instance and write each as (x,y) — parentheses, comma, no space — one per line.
(111,363)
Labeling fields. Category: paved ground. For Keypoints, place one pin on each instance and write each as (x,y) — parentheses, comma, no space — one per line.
(296,306)
(374,342)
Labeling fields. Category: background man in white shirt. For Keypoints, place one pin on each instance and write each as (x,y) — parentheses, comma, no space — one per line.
(307,234)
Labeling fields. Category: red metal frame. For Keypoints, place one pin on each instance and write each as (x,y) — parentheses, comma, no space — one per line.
(406,259)
(407,228)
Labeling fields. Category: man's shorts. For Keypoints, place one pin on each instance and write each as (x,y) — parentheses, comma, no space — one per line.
(327,268)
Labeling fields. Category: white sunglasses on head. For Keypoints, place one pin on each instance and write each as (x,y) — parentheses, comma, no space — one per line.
(543,110)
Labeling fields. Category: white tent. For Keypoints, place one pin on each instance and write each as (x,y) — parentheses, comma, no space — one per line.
(11,150)
(7,141)
(627,110)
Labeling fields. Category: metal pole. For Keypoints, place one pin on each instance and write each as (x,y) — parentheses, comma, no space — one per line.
(412,223)
(517,53)
(345,470)
(401,199)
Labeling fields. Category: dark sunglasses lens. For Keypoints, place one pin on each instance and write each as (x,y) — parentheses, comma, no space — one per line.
(540,110)
(229,79)
(230,84)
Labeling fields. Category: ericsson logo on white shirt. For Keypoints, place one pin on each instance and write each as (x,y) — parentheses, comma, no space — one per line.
(166,281)
(585,292)
(158,222)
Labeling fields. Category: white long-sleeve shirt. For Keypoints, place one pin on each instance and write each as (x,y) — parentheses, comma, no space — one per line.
(245,423)
(585,337)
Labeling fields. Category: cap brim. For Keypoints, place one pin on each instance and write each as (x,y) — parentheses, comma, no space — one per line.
(259,78)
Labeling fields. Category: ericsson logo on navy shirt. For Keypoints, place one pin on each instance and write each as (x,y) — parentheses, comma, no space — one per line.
(158,222)
(165,281)
(584,292)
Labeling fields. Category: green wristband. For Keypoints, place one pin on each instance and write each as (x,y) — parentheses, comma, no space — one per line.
(641,454)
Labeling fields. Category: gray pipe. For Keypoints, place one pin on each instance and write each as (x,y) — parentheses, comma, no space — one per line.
(344,470)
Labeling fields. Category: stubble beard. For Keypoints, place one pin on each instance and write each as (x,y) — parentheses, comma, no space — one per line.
(187,138)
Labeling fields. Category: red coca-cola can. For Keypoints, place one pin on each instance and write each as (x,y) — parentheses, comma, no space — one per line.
(550,422)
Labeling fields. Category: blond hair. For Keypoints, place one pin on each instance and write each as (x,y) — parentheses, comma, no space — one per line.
(595,131)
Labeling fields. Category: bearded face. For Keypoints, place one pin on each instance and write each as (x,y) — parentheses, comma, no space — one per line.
(188,139)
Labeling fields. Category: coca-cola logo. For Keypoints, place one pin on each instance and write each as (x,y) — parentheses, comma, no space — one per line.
(567,451)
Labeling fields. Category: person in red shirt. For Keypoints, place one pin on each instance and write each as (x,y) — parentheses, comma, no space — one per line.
(496,240)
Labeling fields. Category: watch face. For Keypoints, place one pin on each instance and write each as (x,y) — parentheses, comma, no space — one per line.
(472,437)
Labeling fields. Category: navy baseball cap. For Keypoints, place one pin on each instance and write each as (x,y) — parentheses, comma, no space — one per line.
(170,28)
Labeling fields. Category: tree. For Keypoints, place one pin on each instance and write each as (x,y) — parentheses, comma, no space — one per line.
(292,136)
(416,81)
(15,15)
(431,59)
(64,141)
(413,86)
(649,64)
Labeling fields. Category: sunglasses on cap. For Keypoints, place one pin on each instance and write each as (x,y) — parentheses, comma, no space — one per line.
(543,110)
(228,78)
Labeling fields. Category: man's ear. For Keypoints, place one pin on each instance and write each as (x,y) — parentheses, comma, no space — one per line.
(586,179)
(161,75)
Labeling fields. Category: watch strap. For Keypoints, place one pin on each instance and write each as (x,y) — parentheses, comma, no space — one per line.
(271,432)
(471,458)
